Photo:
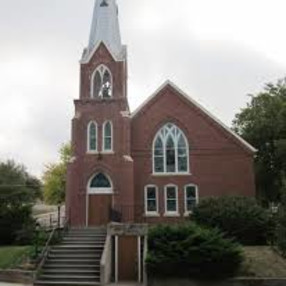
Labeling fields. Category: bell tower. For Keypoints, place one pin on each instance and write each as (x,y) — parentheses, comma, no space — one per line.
(100,176)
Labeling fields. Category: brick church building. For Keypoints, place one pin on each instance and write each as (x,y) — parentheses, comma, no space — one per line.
(153,164)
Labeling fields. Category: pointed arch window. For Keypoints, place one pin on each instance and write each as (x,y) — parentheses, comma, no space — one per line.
(92,137)
(101,83)
(170,151)
(107,136)
(100,184)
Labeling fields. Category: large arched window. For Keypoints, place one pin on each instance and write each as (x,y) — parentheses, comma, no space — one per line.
(100,184)
(92,137)
(170,151)
(107,136)
(101,83)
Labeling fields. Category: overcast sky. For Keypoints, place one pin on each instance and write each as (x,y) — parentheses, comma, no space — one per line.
(218,51)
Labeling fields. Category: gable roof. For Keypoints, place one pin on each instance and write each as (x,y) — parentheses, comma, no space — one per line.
(235,136)
(87,55)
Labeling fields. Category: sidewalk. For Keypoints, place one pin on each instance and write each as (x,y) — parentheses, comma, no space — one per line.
(12,284)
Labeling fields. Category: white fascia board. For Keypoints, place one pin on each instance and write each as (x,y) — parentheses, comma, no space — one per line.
(199,106)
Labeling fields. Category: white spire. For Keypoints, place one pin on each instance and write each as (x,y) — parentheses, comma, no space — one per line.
(105,28)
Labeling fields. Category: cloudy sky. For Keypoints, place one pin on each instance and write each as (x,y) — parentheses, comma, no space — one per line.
(218,51)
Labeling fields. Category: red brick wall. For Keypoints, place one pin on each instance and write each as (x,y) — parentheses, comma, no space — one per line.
(86,165)
(219,164)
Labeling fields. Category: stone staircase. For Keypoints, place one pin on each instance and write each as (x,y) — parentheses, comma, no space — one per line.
(76,260)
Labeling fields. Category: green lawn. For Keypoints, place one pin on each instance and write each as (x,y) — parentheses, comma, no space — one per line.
(12,257)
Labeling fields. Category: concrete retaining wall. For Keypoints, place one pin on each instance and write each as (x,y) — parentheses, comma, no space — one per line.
(17,276)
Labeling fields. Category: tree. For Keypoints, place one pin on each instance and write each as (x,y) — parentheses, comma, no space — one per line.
(18,192)
(263,124)
(54,177)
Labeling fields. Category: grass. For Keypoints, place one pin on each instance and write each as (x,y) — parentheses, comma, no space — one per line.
(262,261)
(13,257)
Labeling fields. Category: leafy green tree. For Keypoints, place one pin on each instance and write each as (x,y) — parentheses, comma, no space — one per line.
(18,192)
(263,124)
(54,177)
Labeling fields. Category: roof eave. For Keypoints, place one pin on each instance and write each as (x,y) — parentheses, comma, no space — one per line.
(218,121)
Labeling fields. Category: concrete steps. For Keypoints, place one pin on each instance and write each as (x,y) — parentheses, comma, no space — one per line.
(76,260)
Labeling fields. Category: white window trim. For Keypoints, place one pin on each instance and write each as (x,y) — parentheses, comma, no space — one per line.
(171,213)
(89,151)
(103,138)
(148,213)
(165,173)
(100,191)
(101,76)
(187,213)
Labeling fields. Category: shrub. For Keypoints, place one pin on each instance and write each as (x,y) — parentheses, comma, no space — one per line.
(190,250)
(281,222)
(18,192)
(238,217)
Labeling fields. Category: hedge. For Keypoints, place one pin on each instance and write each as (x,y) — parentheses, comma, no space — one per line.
(238,217)
(190,250)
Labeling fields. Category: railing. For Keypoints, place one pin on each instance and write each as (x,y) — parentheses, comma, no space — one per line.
(51,220)
(55,234)
(42,258)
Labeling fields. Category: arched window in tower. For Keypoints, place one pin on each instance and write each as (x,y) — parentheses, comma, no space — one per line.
(107,136)
(170,151)
(92,137)
(96,83)
(101,83)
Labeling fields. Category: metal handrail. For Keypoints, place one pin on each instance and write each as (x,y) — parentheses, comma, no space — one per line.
(45,250)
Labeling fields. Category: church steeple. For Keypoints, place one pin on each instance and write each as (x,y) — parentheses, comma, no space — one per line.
(105,29)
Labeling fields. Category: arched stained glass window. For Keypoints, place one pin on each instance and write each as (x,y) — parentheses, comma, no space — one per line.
(107,136)
(100,184)
(170,150)
(100,181)
(92,137)
(101,83)
(159,155)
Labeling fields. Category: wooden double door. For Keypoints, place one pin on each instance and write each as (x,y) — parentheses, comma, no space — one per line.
(99,207)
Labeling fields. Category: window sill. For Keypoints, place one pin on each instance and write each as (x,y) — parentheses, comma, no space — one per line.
(171,174)
(171,215)
(107,152)
(92,152)
(100,153)
(186,214)
(151,215)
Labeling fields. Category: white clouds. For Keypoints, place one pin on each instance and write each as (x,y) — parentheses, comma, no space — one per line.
(256,24)
(216,50)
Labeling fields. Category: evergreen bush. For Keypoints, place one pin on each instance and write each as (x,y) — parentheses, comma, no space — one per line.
(238,217)
(189,250)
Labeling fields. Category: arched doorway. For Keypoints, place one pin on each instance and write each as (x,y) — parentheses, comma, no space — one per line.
(98,200)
